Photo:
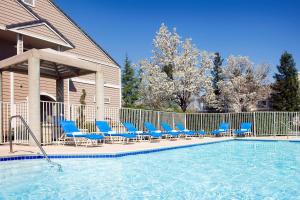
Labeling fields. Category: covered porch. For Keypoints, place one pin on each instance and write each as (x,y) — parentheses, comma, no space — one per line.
(55,65)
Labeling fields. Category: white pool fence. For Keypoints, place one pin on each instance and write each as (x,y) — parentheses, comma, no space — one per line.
(263,123)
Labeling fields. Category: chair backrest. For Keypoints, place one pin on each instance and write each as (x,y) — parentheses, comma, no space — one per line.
(69,126)
(246,125)
(130,127)
(149,126)
(180,126)
(224,126)
(103,126)
(166,126)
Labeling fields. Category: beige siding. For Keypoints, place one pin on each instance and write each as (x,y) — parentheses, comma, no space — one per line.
(114,96)
(11,13)
(76,91)
(49,86)
(83,46)
(43,31)
(111,75)
(21,86)
(6,86)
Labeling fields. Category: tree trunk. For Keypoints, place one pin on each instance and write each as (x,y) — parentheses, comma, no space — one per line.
(183,104)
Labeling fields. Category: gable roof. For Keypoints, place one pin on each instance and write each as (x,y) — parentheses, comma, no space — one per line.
(47,17)
(44,27)
(85,33)
(40,14)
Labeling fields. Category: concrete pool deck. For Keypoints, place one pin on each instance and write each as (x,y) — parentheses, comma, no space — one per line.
(106,148)
(22,150)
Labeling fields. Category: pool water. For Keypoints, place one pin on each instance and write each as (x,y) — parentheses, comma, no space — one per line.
(227,170)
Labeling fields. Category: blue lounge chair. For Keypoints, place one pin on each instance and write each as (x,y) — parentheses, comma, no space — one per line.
(152,130)
(170,131)
(180,127)
(132,129)
(223,129)
(71,131)
(245,129)
(104,128)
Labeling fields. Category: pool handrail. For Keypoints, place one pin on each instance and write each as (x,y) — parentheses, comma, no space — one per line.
(33,137)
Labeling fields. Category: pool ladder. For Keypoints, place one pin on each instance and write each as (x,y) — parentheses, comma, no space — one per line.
(34,138)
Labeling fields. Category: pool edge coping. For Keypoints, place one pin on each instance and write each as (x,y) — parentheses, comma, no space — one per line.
(130,153)
(106,155)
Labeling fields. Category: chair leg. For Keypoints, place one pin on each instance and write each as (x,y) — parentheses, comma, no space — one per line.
(74,138)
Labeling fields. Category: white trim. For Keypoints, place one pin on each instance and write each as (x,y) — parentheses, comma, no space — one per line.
(49,27)
(86,81)
(112,86)
(108,100)
(2,27)
(90,82)
(24,32)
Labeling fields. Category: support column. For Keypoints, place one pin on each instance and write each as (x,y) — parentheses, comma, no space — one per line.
(60,98)
(34,110)
(99,96)
(60,90)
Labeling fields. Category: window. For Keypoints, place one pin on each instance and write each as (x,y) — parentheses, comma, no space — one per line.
(29,2)
(106,100)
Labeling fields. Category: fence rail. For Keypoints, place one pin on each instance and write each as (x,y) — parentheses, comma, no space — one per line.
(263,123)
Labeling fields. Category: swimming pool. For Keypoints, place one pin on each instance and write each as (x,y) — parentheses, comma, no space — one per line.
(227,170)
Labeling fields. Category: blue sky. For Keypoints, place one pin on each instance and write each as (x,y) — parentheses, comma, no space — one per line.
(260,29)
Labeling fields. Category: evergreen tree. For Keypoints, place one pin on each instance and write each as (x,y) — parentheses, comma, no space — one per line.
(217,73)
(285,91)
(130,84)
(217,77)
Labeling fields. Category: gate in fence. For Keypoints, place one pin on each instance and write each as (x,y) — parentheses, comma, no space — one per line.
(263,123)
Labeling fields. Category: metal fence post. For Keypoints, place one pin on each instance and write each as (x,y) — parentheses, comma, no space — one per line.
(254,124)
(274,122)
(140,120)
(185,120)
(158,119)
(173,120)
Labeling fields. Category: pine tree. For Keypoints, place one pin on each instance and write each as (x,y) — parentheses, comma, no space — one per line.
(285,91)
(217,77)
(217,73)
(130,84)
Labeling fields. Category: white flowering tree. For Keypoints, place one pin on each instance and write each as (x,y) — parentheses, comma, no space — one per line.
(175,72)
(243,85)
